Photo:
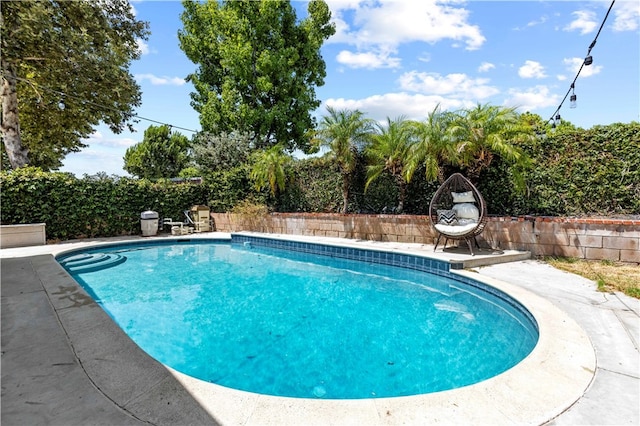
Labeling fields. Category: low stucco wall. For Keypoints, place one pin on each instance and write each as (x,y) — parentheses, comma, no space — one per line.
(586,238)
(23,235)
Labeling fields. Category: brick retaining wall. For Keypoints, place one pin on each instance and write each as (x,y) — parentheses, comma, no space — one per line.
(586,238)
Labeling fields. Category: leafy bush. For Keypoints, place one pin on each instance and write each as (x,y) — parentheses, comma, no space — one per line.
(316,187)
(227,188)
(575,172)
(250,209)
(94,206)
(221,152)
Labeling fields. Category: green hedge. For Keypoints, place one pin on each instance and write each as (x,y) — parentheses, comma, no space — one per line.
(317,187)
(575,172)
(91,206)
(594,171)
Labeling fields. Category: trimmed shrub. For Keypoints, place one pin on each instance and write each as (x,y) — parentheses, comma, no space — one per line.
(96,206)
(575,172)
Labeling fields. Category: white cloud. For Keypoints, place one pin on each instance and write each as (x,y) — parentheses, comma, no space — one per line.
(143,47)
(459,86)
(537,97)
(425,57)
(585,22)
(485,67)
(626,16)
(91,162)
(367,60)
(383,25)
(104,154)
(160,81)
(412,106)
(97,139)
(531,69)
(540,21)
(573,65)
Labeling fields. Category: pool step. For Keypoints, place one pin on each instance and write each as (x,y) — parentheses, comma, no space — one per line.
(92,262)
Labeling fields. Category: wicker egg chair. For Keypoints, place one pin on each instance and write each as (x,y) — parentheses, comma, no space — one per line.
(458,212)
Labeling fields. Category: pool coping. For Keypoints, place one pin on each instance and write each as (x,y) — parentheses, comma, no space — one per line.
(546,383)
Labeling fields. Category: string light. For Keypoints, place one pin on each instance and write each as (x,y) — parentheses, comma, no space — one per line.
(555,118)
(588,60)
(573,98)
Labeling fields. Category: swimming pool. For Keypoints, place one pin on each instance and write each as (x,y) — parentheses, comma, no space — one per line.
(393,287)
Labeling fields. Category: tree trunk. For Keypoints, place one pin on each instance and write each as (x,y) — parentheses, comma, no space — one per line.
(17,153)
(402,196)
(345,192)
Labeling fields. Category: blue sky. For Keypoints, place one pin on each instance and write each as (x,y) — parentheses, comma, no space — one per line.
(404,57)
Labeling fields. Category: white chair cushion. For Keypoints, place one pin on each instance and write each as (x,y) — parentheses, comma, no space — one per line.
(463,197)
(466,211)
(455,230)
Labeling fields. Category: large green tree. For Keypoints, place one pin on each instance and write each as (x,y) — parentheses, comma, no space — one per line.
(161,154)
(220,152)
(258,67)
(65,69)
(345,133)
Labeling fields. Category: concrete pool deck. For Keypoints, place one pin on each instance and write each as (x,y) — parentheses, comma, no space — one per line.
(64,361)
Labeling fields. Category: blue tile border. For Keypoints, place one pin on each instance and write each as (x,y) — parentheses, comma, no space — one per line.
(404,260)
(419,263)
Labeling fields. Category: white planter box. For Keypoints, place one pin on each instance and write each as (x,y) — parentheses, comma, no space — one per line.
(30,234)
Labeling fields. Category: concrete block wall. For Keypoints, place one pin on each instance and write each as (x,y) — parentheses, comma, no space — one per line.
(586,238)
(403,228)
(22,235)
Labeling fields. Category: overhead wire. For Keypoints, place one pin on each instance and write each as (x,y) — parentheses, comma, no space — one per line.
(84,101)
(555,115)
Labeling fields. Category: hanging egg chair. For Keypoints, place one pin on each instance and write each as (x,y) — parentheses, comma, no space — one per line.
(458,212)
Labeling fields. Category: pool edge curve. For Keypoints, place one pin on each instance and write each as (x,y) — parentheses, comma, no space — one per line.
(547,382)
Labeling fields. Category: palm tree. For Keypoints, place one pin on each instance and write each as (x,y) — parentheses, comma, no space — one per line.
(270,167)
(389,152)
(486,131)
(345,133)
(432,147)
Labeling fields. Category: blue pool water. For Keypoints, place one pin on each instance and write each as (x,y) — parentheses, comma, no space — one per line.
(286,323)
